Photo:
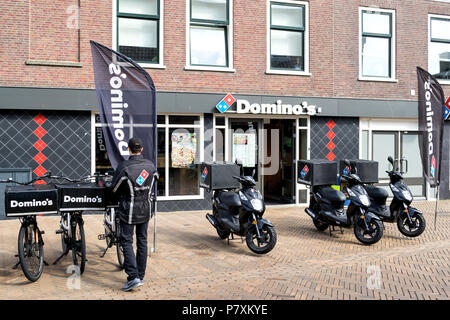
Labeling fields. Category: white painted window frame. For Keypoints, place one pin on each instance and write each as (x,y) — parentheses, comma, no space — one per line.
(115,45)
(393,46)
(441,81)
(305,44)
(230,44)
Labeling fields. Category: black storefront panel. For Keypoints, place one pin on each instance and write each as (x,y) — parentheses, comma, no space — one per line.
(45,141)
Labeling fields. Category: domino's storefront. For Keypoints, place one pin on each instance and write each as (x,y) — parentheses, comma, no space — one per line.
(58,130)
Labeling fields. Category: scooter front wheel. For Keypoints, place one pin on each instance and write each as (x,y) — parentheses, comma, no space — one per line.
(411,229)
(266,242)
(371,235)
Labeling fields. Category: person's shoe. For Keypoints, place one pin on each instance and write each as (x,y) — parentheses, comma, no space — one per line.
(141,282)
(132,284)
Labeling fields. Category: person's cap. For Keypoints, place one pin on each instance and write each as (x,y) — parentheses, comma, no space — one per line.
(135,143)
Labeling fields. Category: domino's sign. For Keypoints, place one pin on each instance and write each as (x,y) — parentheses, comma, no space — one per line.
(278,108)
(447,109)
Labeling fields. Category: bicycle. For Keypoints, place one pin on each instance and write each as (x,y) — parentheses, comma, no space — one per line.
(111,221)
(30,243)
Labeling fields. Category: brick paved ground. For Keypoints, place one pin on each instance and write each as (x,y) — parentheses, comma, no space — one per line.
(193,263)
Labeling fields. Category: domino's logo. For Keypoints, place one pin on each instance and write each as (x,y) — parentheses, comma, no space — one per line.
(142,177)
(346,171)
(304,171)
(225,103)
(204,174)
(433,166)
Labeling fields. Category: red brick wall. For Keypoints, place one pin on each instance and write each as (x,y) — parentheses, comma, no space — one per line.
(42,34)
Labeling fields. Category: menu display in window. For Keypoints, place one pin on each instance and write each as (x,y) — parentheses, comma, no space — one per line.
(244,148)
(184,148)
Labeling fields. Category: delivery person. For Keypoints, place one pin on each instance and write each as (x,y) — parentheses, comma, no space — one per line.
(131,183)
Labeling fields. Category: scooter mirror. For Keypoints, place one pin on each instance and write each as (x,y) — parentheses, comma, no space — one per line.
(391,160)
(253,173)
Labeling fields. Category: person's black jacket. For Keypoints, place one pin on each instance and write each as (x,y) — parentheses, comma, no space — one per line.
(131,183)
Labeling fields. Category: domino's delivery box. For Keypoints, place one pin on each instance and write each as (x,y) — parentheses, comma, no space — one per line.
(317,172)
(219,175)
(367,170)
(31,200)
(81,197)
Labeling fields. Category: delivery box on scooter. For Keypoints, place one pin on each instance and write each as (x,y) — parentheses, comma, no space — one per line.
(317,172)
(219,175)
(367,170)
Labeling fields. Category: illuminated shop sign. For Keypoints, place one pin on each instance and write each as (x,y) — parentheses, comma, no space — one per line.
(278,108)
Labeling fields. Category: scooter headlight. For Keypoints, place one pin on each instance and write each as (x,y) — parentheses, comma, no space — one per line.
(257,204)
(364,200)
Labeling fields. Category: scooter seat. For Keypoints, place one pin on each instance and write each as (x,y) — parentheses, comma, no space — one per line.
(332,194)
(376,192)
(230,199)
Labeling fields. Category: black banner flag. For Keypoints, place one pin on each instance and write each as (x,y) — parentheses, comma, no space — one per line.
(431,124)
(126,101)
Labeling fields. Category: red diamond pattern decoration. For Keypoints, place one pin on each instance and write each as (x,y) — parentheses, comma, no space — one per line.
(40,158)
(40,145)
(331,124)
(39,171)
(331,156)
(331,135)
(40,132)
(40,182)
(40,119)
(331,145)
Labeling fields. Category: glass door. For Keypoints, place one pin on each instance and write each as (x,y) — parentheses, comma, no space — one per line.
(245,140)
(399,145)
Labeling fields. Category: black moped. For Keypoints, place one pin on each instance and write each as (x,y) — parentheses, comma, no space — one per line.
(410,221)
(240,212)
(327,209)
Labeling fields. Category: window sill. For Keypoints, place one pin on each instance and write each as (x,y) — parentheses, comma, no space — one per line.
(174,198)
(378,79)
(152,66)
(53,63)
(214,69)
(443,81)
(289,73)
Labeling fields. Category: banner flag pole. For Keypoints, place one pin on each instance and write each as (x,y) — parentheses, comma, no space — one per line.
(436,208)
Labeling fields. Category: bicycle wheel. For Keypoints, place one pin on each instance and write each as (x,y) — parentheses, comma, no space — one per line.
(78,244)
(119,248)
(31,251)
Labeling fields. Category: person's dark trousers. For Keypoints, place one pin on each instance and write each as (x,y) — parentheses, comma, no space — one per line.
(134,265)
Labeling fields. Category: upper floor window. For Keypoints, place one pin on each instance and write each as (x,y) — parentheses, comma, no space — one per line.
(287,36)
(377,44)
(439,47)
(138,30)
(209,33)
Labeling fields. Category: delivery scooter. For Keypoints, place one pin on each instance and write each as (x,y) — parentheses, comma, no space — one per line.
(410,221)
(240,212)
(327,209)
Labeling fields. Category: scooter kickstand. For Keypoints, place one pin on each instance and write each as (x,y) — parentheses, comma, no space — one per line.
(342,230)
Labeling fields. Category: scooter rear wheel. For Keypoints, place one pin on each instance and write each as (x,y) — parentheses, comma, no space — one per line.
(321,226)
(223,234)
(371,236)
(413,229)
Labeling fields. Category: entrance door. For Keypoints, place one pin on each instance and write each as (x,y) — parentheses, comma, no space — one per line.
(245,146)
(279,165)
(399,145)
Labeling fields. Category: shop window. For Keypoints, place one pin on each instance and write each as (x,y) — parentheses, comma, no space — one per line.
(439,47)
(184,161)
(179,155)
(138,25)
(208,33)
(287,36)
(377,45)
(220,144)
